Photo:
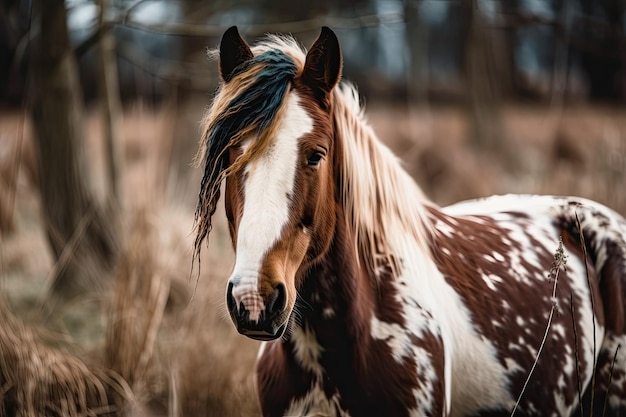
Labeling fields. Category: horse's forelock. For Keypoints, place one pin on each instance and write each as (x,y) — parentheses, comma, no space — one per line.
(249,105)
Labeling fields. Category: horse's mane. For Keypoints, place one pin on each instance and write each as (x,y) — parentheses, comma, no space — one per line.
(383,204)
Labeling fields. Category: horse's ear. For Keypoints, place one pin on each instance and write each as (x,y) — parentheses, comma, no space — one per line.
(322,68)
(234,51)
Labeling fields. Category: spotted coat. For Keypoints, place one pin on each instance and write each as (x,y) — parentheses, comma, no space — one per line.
(478,318)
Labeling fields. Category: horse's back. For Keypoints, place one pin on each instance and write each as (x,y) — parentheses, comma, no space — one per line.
(517,280)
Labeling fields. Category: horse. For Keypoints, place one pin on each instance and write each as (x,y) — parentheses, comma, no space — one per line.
(372,300)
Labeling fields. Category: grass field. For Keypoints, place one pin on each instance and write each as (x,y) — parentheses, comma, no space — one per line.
(164,328)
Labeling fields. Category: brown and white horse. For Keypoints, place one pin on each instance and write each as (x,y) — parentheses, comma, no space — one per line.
(374,301)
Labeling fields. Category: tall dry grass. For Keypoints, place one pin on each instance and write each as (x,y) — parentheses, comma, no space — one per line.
(579,150)
(160,342)
(137,306)
(37,379)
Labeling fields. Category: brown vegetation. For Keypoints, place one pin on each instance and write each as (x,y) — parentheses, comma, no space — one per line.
(38,379)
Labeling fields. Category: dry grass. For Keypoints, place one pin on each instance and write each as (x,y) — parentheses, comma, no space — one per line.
(37,379)
(166,335)
(137,306)
(580,151)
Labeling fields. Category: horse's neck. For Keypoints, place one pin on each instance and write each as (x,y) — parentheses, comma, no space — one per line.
(328,329)
(338,300)
(337,293)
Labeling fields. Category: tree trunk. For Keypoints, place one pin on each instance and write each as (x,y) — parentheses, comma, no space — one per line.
(486,129)
(81,233)
(417,43)
(110,103)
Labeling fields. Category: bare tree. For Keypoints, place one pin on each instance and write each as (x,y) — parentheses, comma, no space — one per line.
(81,232)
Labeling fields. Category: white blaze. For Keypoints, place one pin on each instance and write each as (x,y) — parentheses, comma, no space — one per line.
(268,185)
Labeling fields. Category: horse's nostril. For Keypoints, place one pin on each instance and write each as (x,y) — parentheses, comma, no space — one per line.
(230,299)
(277,300)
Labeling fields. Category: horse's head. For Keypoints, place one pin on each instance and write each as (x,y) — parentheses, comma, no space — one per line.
(270,136)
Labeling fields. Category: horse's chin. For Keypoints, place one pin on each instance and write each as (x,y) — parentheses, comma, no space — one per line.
(264,335)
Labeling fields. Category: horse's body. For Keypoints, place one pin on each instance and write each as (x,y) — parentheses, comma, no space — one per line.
(393,306)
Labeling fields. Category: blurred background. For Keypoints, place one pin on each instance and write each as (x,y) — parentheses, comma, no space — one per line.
(101,309)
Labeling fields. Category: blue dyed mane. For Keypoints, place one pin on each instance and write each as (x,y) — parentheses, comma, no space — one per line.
(255,107)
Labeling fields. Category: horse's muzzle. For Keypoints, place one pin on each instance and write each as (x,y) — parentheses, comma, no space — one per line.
(267,323)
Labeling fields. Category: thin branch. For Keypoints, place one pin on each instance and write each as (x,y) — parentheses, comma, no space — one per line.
(202,30)
(157,309)
(160,68)
(560,259)
(608,387)
(92,40)
(580,399)
(130,9)
(68,252)
(593,310)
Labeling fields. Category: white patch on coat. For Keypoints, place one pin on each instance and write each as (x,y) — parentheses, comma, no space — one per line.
(491,280)
(428,378)
(476,382)
(328,313)
(315,403)
(396,337)
(269,183)
(307,350)
(432,306)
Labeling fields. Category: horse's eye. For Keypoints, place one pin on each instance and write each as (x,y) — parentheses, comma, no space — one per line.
(315,158)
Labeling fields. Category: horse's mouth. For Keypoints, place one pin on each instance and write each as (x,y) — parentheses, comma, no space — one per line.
(262,335)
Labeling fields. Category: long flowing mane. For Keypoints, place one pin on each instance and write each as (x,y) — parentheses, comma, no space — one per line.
(383,204)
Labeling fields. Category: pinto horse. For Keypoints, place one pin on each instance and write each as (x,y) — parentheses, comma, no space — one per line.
(371,299)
